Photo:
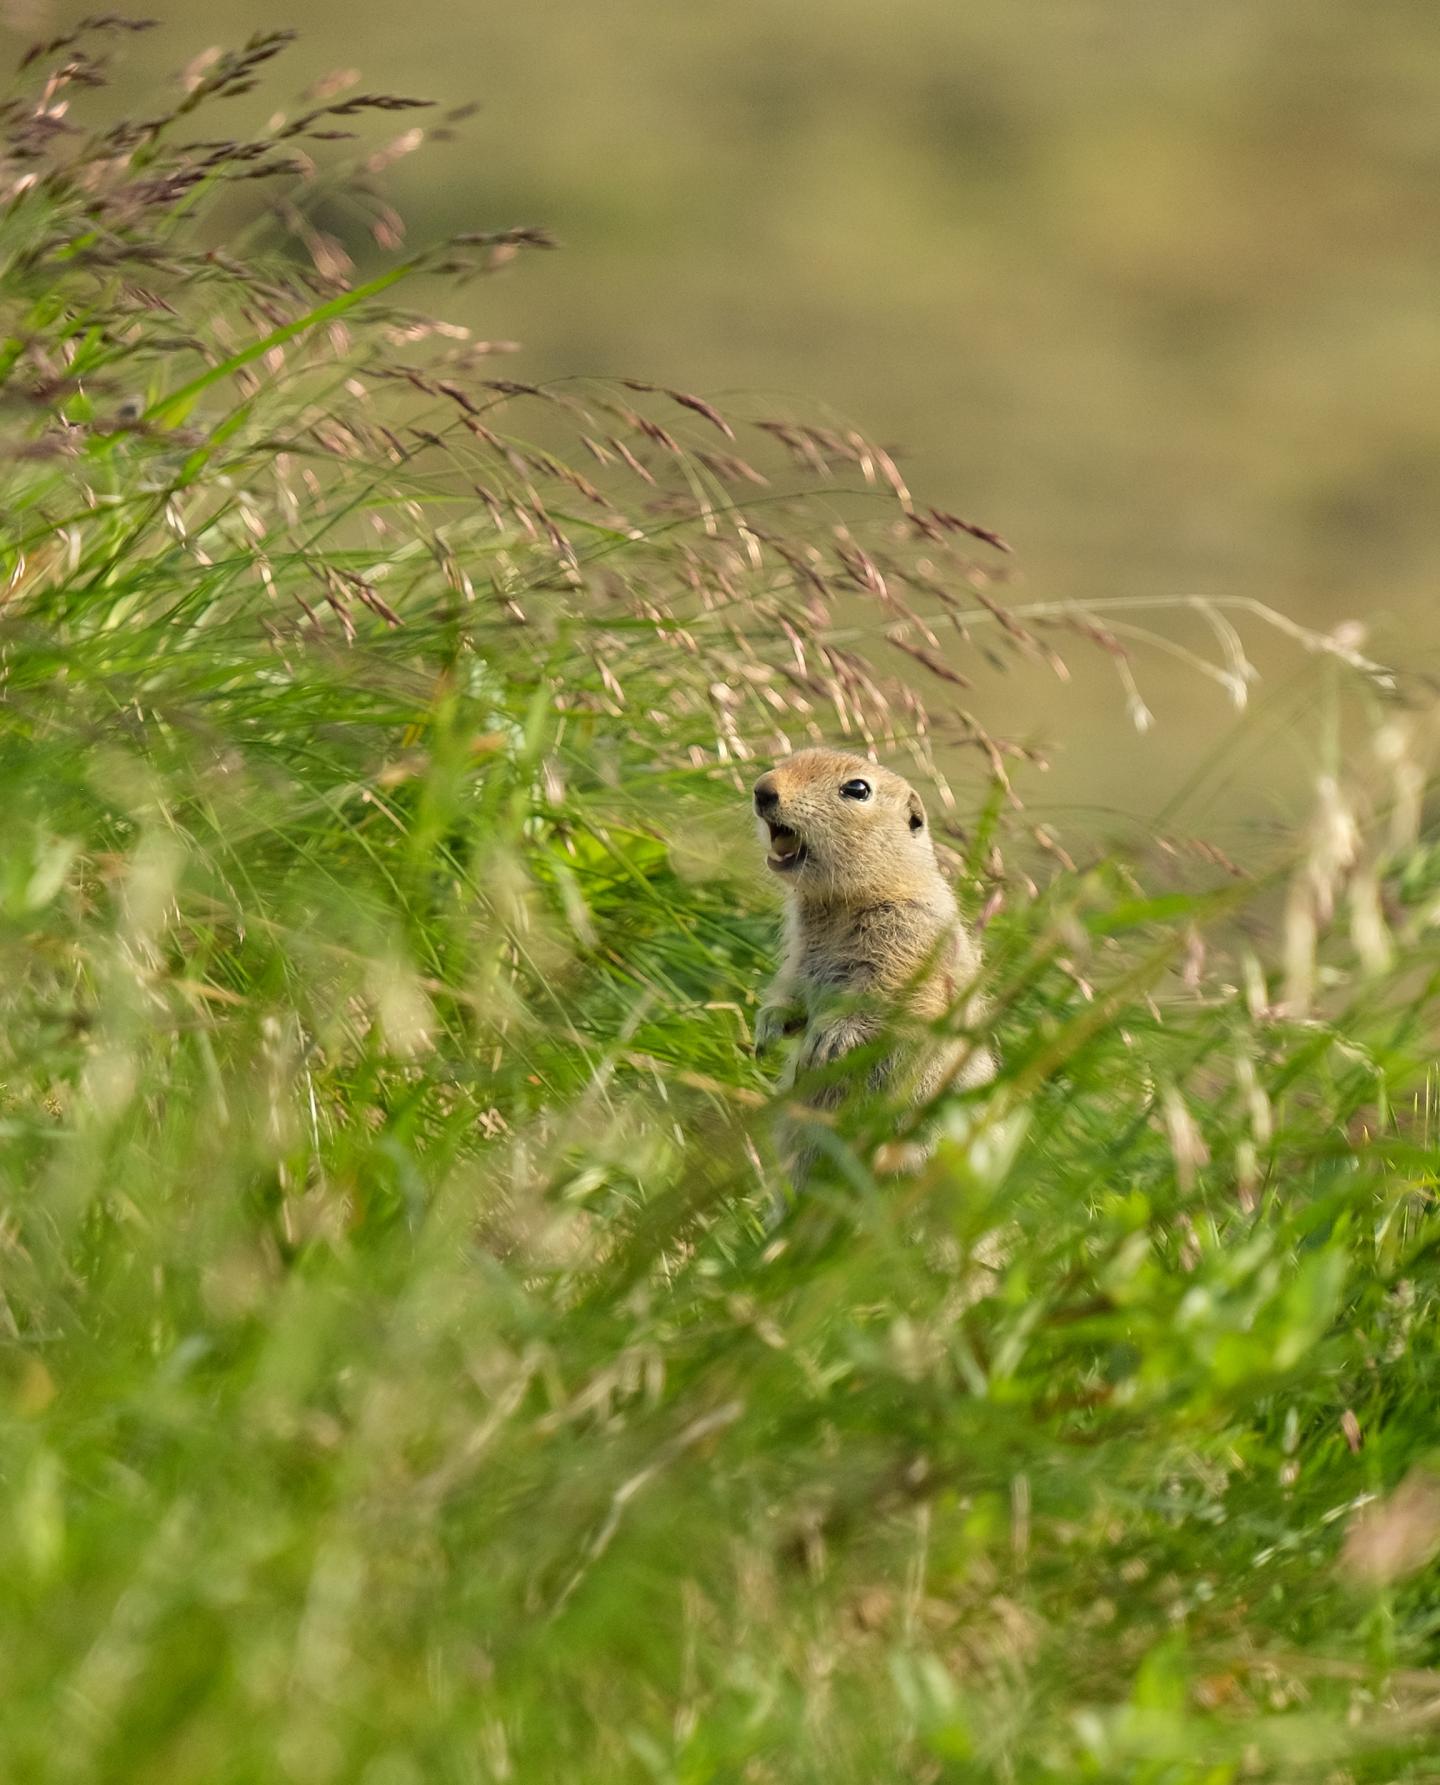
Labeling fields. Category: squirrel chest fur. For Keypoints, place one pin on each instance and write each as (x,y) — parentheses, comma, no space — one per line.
(872,930)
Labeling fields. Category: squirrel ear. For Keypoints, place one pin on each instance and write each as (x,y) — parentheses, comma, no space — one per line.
(917,812)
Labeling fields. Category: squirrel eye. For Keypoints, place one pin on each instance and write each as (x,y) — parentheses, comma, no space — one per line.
(855,790)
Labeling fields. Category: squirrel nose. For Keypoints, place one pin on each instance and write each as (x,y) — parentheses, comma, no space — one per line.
(767,795)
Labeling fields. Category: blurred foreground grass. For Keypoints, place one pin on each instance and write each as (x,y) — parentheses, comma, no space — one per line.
(399,1379)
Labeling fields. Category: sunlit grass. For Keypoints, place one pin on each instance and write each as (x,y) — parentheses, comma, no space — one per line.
(403,1375)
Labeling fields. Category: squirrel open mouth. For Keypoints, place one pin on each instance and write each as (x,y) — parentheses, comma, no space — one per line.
(787,852)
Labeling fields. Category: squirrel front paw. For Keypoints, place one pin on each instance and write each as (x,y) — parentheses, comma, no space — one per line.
(773,1023)
(828,1043)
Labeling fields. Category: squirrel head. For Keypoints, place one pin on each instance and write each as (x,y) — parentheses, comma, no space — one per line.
(839,828)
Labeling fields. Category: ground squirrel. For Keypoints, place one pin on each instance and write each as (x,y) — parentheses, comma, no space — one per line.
(871,930)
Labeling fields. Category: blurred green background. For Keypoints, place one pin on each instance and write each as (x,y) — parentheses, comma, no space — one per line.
(1149,287)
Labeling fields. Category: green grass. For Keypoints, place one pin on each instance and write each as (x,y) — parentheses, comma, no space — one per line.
(401,1376)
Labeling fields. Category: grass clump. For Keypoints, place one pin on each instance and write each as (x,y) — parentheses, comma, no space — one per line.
(399,1378)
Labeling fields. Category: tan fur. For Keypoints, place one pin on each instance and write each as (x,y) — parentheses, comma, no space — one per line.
(871,930)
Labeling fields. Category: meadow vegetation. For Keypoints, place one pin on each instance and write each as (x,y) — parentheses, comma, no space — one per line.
(403,1376)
